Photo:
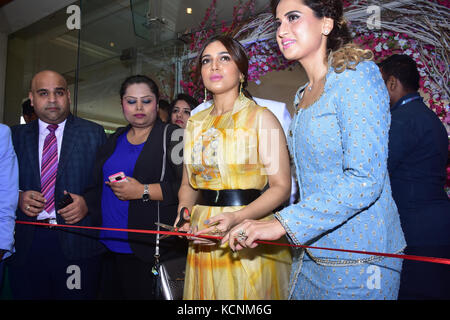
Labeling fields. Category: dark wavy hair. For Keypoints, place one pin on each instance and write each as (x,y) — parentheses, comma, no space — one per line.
(334,9)
(137,79)
(191,101)
(237,53)
(345,54)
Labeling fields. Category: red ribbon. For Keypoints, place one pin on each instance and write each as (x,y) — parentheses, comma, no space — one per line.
(171,233)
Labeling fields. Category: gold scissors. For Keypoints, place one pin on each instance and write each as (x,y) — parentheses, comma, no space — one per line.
(177,226)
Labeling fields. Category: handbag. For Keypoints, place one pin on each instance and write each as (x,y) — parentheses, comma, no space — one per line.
(170,281)
(169,274)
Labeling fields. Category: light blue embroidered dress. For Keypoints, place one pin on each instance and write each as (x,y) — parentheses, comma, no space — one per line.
(340,146)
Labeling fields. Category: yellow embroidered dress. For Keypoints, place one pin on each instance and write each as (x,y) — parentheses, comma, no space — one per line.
(221,152)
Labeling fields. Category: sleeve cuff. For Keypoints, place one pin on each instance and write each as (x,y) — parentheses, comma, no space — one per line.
(6,253)
(285,223)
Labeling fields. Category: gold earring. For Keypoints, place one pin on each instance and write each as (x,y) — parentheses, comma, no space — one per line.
(241,86)
(206,96)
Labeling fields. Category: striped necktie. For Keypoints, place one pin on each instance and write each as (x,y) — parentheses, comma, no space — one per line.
(49,168)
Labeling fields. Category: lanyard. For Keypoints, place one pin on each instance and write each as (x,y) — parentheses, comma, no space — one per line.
(409,100)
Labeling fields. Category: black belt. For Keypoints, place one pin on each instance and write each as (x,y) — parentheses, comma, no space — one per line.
(227,198)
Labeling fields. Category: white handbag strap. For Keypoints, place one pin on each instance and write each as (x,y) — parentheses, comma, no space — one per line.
(163,171)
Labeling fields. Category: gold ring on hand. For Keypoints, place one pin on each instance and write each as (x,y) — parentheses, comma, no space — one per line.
(27,207)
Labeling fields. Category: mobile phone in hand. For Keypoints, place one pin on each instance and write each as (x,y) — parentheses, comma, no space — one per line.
(65,201)
(117,177)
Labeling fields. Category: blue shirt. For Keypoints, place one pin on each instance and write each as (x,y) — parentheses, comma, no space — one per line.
(9,190)
(115,211)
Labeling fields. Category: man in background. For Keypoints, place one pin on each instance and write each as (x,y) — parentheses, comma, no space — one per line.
(164,110)
(418,155)
(28,111)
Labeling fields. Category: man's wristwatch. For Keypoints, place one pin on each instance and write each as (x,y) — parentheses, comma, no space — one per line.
(146,195)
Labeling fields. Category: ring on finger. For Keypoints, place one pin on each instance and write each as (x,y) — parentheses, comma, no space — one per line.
(27,207)
(242,236)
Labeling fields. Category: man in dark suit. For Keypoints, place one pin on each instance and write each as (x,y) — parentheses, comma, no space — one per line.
(418,155)
(56,155)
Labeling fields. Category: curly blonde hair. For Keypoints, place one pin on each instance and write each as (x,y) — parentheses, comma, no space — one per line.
(348,56)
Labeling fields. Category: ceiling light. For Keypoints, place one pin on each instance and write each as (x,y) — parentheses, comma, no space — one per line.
(189,10)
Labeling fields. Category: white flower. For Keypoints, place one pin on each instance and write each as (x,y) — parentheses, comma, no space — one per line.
(402,42)
(408,52)
(385,46)
(378,47)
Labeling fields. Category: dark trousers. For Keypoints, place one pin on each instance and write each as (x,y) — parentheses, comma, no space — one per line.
(425,280)
(48,275)
(126,277)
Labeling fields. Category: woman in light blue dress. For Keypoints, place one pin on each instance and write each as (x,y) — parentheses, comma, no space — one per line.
(338,141)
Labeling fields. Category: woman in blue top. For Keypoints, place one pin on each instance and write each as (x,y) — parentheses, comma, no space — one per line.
(137,151)
(338,140)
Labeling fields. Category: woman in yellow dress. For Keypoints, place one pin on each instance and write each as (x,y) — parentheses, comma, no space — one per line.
(232,151)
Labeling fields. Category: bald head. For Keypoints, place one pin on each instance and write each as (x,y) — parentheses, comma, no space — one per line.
(46,75)
(50,96)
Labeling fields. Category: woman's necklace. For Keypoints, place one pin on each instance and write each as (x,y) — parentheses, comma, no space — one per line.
(313,100)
